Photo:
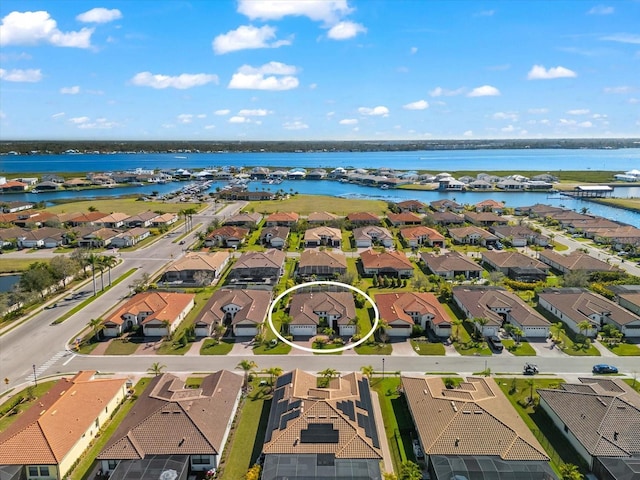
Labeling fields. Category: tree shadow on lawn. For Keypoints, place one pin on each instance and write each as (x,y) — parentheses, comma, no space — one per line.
(260,434)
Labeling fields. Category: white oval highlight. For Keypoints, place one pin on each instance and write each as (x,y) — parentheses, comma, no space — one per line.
(322,350)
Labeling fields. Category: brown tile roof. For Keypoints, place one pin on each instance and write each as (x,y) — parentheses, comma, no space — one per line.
(200,261)
(394,306)
(305,305)
(253,304)
(321,217)
(602,418)
(363,217)
(474,419)
(242,218)
(370,232)
(345,408)
(43,233)
(170,419)
(11,233)
(317,233)
(114,217)
(512,259)
(283,217)
(49,429)
(394,260)
(489,203)
(271,258)
(104,233)
(275,232)
(411,204)
(313,257)
(88,217)
(463,232)
(403,217)
(164,218)
(162,305)
(449,262)
(420,231)
(229,231)
(484,217)
(576,261)
(142,217)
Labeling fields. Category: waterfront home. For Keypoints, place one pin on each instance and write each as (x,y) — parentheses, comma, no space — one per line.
(519,236)
(311,313)
(113,220)
(323,237)
(516,266)
(510,185)
(446,205)
(274,237)
(164,220)
(84,219)
(282,219)
(574,261)
(317,174)
(404,310)
(395,264)
(538,186)
(49,438)
(479,184)
(321,263)
(248,220)
(244,311)
(144,219)
(45,237)
(366,237)
(226,236)
(538,211)
(415,237)
(404,218)
(322,217)
(76,183)
(472,427)
(13,186)
(259,173)
(197,268)
(472,236)
(575,305)
(485,219)
(100,238)
(258,267)
(185,429)
(238,193)
(443,218)
(415,206)
(450,265)
(157,313)
(499,307)
(328,432)
(450,184)
(600,418)
(363,218)
(47,186)
(13,207)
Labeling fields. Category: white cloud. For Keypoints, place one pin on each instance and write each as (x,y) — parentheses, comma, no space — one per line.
(17,75)
(578,111)
(413,50)
(443,92)
(253,113)
(313,86)
(468,133)
(486,13)
(255,78)
(564,121)
(100,15)
(297,125)
(505,116)
(70,90)
(222,112)
(327,11)
(598,116)
(247,37)
(601,10)
(209,127)
(508,129)
(623,38)
(239,119)
(98,124)
(79,120)
(484,91)
(181,82)
(538,111)
(586,124)
(58,115)
(538,72)
(634,101)
(348,121)
(379,111)
(185,118)
(345,30)
(32,28)
(417,105)
(621,89)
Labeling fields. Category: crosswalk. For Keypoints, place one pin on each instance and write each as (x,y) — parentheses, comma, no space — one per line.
(42,368)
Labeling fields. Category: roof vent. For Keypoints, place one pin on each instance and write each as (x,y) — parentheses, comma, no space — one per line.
(453,405)
(457,442)
(615,436)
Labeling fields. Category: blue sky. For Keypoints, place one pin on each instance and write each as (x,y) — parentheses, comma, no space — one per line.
(314,70)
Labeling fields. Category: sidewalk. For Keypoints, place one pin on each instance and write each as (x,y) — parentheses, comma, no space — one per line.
(604,351)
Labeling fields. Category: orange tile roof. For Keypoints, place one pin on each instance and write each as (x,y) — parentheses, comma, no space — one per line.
(420,231)
(396,260)
(162,305)
(283,217)
(394,306)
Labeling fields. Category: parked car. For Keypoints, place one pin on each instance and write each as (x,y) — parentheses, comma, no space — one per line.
(495,343)
(530,369)
(604,368)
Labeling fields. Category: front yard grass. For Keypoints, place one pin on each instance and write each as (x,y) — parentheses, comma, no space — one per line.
(465,345)
(280,348)
(120,346)
(632,382)
(129,206)
(306,204)
(624,349)
(374,349)
(211,346)
(423,347)
(523,349)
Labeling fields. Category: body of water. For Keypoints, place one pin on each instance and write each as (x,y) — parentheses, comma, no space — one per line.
(7,282)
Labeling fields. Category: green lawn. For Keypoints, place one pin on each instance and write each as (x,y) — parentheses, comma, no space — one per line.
(632,382)
(125,205)
(374,349)
(214,347)
(15,265)
(6,418)
(577,349)
(347,238)
(267,349)
(118,347)
(624,349)
(427,348)
(521,350)
(306,204)
(465,345)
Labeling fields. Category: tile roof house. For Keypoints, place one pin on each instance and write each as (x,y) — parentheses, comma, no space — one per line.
(159,313)
(143,219)
(113,220)
(282,219)
(575,305)
(539,210)
(89,218)
(402,310)
(366,237)
(45,237)
(165,219)
(323,236)
(243,310)
(443,218)
(599,417)
(9,237)
(520,236)
(450,265)
(323,432)
(275,237)
(363,218)
(322,217)
(473,421)
(446,205)
(197,268)
(170,419)
(226,236)
(411,206)
(490,205)
(258,267)
(515,265)
(244,219)
(322,263)
(50,436)
(499,306)
(131,237)
(485,219)
(472,236)
(392,263)
(574,261)
(312,312)
(101,237)
(417,236)
(404,218)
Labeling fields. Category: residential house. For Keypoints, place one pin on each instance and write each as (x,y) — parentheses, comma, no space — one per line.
(472,430)
(242,310)
(394,263)
(575,305)
(418,236)
(323,236)
(490,205)
(274,237)
(248,220)
(9,237)
(164,220)
(499,307)
(363,218)
(131,237)
(322,218)
(322,264)
(258,267)
(86,219)
(510,185)
(446,205)
(366,237)
(76,183)
(317,174)
(485,219)
(158,313)
(197,268)
(411,206)
(144,219)
(404,310)
(539,210)
(13,186)
(45,237)
(31,219)
(443,218)
(323,432)
(312,312)
(472,236)
(519,236)
(102,237)
(170,421)
(113,220)
(13,207)
(574,261)
(600,418)
(451,265)
(226,236)
(404,218)
(282,219)
(48,438)
(515,265)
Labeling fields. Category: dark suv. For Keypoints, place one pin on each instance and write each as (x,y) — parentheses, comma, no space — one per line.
(495,343)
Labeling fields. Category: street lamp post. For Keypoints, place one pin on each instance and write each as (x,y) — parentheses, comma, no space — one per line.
(383,368)
(35,378)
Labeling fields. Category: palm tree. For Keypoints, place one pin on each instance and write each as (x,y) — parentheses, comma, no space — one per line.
(383,327)
(480,322)
(367,371)
(93,260)
(110,261)
(568,471)
(327,374)
(96,327)
(156,368)
(101,266)
(457,323)
(557,330)
(247,366)
(584,325)
(273,372)
(518,334)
